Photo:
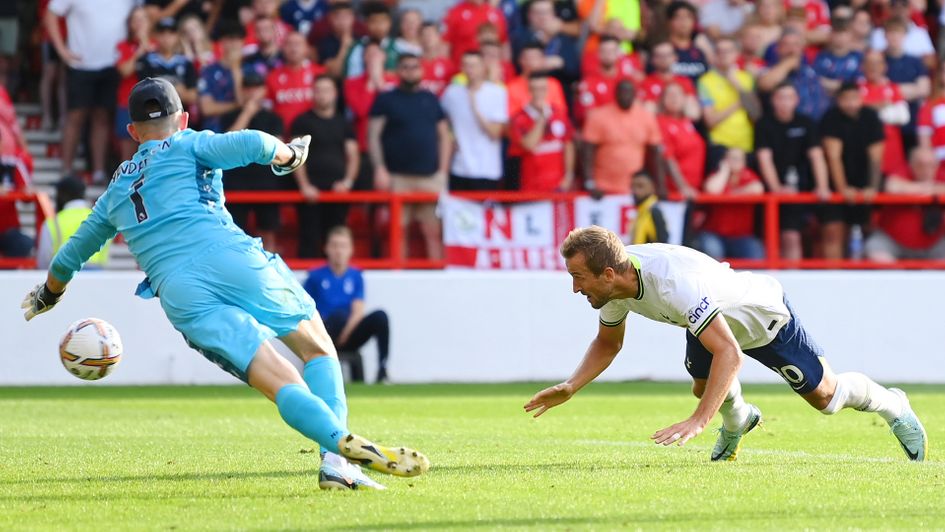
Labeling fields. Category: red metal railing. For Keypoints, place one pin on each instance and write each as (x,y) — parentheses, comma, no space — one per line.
(395,203)
(772,228)
(44,209)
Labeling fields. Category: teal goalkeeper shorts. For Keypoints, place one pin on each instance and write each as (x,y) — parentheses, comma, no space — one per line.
(230,300)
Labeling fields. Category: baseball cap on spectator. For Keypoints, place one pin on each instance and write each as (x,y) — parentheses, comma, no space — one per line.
(166,24)
(153,98)
(69,188)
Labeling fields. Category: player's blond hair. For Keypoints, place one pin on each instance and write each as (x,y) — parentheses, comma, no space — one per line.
(601,249)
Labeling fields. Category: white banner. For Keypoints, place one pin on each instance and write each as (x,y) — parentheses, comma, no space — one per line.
(526,236)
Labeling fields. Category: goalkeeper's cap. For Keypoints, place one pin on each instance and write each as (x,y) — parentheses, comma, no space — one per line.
(153,98)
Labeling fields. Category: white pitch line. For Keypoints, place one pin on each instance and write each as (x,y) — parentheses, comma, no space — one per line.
(770,452)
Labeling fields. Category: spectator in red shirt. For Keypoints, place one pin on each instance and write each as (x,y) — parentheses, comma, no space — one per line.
(438,69)
(931,126)
(360,91)
(597,89)
(130,51)
(729,230)
(531,60)
(290,86)
(462,22)
(15,169)
(911,231)
(664,64)
(884,96)
(543,133)
(684,147)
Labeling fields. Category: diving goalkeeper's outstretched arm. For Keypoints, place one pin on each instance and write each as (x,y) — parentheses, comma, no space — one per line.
(217,151)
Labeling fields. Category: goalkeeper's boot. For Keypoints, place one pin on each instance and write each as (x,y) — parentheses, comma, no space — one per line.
(909,430)
(337,474)
(399,461)
(726,447)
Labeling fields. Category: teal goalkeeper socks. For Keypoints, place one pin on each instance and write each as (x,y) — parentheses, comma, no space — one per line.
(308,414)
(323,377)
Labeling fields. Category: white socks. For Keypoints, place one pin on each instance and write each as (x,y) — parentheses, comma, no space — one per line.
(334,459)
(734,410)
(859,392)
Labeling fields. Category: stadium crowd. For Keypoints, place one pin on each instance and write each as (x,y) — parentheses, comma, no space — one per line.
(655,98)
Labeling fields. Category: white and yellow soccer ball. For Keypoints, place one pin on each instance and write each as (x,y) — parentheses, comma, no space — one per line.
(90,349)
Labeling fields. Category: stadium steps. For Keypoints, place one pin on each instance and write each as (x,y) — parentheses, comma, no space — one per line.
(44,146)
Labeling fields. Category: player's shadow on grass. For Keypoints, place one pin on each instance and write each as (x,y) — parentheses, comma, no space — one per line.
(581,467)
(162,477)
(605,522)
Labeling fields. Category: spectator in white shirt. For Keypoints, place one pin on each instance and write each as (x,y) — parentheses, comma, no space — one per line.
(917,42)
(95,27)
(478,113)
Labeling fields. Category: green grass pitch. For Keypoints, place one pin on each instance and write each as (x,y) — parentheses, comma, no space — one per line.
(220,458)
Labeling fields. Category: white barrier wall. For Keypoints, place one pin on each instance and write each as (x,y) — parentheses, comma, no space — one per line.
(503,326)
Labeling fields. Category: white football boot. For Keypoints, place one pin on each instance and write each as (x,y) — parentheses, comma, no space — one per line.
(336,473)
(909,430)
(728,443)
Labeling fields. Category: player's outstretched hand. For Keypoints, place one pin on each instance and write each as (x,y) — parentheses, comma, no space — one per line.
(679,433)
(299,147)
(548,398)
(39,300)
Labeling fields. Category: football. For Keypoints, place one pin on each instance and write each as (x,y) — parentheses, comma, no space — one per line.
(90,349)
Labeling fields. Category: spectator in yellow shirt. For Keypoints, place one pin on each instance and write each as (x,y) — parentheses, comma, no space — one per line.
(729,103)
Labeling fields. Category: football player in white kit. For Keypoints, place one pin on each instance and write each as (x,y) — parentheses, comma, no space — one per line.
(727,315)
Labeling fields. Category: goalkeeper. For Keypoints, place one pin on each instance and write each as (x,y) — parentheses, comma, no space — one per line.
(217,285)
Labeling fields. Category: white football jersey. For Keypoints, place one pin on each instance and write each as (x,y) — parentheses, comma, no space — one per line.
(686,288)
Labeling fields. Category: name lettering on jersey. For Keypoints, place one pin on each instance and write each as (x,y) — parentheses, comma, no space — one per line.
(699,310)
(135,167)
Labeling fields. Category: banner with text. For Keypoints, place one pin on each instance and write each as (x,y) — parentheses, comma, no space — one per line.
(526,236)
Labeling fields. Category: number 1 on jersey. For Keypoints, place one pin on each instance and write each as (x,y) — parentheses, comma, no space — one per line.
(141,214)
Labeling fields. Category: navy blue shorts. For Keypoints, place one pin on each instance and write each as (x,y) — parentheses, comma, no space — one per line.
(792,354)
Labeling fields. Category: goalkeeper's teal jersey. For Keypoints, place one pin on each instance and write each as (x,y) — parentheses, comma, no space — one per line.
(168,202)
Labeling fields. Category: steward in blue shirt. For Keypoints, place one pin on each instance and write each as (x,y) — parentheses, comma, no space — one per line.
(338,291)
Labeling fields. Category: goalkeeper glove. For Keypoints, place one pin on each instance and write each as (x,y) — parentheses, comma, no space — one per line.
(299,147)
(39,300)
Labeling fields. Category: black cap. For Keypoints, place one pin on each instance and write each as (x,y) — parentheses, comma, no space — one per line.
(166,24)
(67,189)
(150,93)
